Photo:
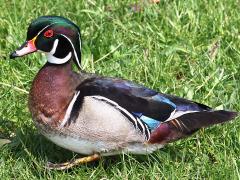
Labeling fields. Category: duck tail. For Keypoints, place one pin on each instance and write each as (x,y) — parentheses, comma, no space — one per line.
(187,124)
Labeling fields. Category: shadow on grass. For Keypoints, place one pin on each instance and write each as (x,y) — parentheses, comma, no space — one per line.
(35,151)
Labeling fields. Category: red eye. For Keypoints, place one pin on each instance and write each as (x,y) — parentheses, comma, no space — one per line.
(48,33)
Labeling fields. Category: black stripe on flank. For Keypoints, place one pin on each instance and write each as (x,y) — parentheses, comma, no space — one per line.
(75,110)
(129,118)
(146,130)
(139,126)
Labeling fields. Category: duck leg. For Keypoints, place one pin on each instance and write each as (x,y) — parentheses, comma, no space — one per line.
(70,164)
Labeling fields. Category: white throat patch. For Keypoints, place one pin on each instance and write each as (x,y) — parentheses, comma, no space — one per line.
(54,60)
(75,53)
(55,44)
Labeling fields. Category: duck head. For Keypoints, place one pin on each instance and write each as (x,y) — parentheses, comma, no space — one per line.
(57,37)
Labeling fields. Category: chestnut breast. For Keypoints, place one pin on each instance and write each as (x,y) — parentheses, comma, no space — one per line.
(51,92)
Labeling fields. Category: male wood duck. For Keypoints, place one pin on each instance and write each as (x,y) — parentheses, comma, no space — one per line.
(101,116)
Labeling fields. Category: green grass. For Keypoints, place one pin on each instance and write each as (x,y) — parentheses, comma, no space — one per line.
(187,48)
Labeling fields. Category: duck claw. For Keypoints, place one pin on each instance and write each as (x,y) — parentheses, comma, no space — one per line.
(72,163)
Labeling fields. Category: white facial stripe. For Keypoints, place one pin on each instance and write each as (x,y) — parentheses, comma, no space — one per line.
(80,42)
(54,46)
(44,28)
(69,109)
(54,60)
(75,54)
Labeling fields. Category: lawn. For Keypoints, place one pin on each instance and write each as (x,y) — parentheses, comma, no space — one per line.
(187,48)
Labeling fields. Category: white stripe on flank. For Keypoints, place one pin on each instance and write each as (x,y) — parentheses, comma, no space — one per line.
(119,107)
(144,127)
(106,99)
(69,110)
(135,120)
(75,54)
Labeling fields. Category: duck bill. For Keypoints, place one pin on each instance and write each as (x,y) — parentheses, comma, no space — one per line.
(26,48)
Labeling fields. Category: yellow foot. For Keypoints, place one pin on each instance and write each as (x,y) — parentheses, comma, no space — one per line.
(70,164)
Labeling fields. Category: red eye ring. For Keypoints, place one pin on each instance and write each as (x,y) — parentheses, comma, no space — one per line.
(48,33)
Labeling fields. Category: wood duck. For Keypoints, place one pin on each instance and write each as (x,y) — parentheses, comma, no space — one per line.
(101,116)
